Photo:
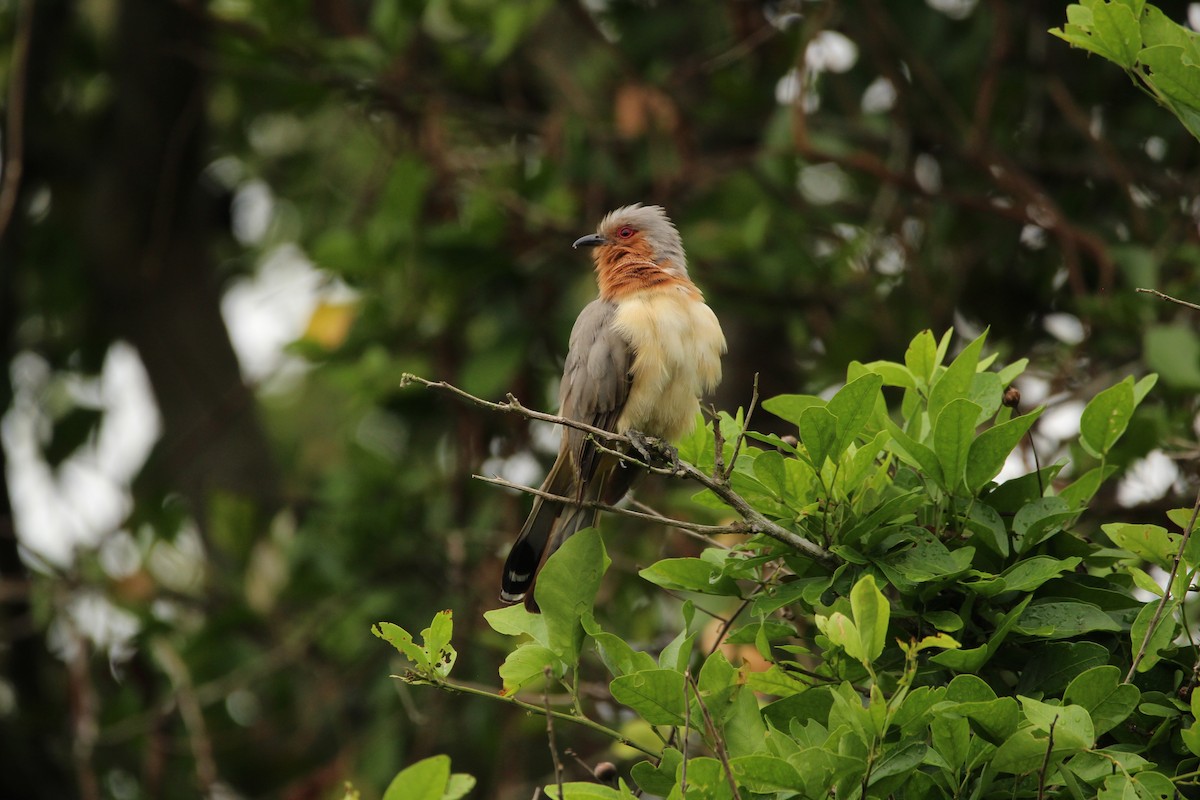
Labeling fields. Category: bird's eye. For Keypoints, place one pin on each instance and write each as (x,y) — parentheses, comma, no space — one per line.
(625,232)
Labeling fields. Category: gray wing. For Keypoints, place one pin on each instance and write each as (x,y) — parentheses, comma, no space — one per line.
(595,382)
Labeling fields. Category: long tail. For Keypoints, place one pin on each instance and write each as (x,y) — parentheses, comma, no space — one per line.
(548,527)
(526,554)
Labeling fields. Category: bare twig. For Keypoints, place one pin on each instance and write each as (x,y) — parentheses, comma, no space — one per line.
(683,525)
(558,767)
(1168,298)
(687,727)
(741,437)
(14,134)
(513,405)
(1046,762)
(191,712)
(454,686)
(685,531)
(718,448)
(1162,602)
(754,522)
(717,738)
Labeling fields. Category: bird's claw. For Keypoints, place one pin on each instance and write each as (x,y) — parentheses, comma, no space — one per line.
(655,451)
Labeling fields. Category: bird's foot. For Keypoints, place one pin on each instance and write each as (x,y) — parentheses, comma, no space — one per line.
(655,451)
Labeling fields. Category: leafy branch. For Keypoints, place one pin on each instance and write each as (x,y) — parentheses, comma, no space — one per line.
(753,521)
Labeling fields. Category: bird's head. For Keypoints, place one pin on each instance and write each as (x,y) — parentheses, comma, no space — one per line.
(639,232)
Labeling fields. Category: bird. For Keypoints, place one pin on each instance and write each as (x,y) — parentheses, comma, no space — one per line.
(640,357)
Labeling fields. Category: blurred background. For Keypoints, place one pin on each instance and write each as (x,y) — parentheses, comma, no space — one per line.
(228,227)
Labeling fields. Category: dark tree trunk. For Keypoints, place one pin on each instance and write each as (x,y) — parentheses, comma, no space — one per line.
(149,226)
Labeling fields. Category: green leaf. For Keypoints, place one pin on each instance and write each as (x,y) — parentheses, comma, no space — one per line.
(775,681)
(771,473)
(1062,620)
(1038,519)
(1160,640)
(789,407)
(843,633)
(1150,542)
(1072,725)
(985,525)
(1020,753)
(921,357)
(871,614)
(586,790)
(402,640)
(1109,29)
(818,434)
(1105,418)
(994,720)
(893,374)
(690,575)
(898,760)
(659,780)
(970,661)
(914,453)
(655,694)
(1081,491)
(852,407)
(1012,371)
(1055,664)
(897,509)
(1027,575)
(923,558)
(1106,698)
(953,435)
(424,780)
(437,642)
(986,392)
(617,655)
(526,665)
(516,621)
(678,651)
(459,786)
(566,589)
(764,774)
(991,449)
(955,382)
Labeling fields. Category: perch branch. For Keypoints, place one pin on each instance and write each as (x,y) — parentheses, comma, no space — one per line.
(753,521)
(684,525)
(1168,298)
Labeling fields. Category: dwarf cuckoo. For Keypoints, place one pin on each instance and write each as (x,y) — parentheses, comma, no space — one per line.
(640,356)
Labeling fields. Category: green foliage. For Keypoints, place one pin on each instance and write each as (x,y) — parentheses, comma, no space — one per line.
(1158,53)
(429,779)
(973,641)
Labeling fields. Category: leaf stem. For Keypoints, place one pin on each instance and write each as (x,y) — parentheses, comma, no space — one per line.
(451,686)
(1162,602)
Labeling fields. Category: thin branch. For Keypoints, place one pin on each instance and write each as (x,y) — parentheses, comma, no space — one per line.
(1046,762)
(754,522)
(1162,602)
(451,686)
(683,525)
(1168,298)
(741,437)
(687,727)
(718,448)
(512,405)
(700,537)
(558,767)
(14,134)
(191,711)
(718,740)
